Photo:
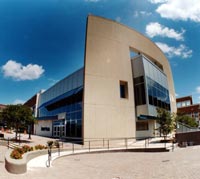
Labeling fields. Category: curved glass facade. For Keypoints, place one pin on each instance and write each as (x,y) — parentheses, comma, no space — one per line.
(156,85)
(150,86)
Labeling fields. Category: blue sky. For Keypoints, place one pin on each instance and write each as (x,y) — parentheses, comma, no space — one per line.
(42,41)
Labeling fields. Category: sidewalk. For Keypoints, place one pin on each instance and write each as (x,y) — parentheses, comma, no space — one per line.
(41,161)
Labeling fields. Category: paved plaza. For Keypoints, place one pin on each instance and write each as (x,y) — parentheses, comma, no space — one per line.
(183,163)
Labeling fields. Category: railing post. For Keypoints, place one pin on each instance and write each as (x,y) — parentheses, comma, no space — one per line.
(58,149)
(8,143)
(103,142)
(19,138)
(145,142)
(172,146)
(126,143)
(89,146)
(49,157)
(73,148)
(108,144)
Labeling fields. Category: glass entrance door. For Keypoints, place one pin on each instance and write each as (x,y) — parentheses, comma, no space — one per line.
(58,131)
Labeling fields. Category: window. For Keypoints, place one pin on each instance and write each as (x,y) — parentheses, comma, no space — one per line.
(178,104)
(158,95)
(139,89)
(45,129)
(142,126)
(123,89)
(188,103)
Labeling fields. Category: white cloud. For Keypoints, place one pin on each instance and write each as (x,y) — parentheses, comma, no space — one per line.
(198,89)
(18,101)
(118,19)
(92,0)
(180,10)
(145,13)
(19,72)
(157,1)
(155,29)
(176,94)
(181,51)
(136,14)
(142,13)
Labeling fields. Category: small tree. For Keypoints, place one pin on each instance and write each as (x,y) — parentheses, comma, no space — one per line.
(185,119)
(166,121)
(17,116)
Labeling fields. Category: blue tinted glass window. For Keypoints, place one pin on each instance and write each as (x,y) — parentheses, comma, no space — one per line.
(157,94)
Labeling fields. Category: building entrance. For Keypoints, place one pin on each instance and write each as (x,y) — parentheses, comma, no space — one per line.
(59,128)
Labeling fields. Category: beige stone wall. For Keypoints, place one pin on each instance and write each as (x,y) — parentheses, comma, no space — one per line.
(147,133)
(107,61)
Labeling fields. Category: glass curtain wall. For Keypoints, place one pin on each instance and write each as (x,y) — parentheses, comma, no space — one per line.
(151,86)
(157,85)
(72,106)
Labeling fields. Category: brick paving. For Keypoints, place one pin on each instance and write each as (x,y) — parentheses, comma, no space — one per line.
(180,164)
(183,163)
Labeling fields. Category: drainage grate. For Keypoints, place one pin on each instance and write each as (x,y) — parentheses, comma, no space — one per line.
(165,160)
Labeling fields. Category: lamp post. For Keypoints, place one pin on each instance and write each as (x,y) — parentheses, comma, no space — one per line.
(29,131)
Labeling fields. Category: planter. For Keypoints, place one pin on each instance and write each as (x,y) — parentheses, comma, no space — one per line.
(19,166)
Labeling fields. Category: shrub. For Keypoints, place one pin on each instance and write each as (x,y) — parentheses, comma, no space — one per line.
(27,148)
(15,154)
(20,150)
(40,147)
(50,143)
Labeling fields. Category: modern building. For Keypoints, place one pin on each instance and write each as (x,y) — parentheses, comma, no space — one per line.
(185,106)
(114,95)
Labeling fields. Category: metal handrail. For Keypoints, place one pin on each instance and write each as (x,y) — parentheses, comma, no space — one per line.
(105,144)
(181,127)
(10,141)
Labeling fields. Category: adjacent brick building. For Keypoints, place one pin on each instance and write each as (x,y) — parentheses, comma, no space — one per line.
(185,106)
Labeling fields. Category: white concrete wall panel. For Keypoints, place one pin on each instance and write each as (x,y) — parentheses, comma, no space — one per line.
(107,61)
(43,123)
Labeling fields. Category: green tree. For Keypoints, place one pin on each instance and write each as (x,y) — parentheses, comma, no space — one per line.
(185,119)
(166,121)
(17,116)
